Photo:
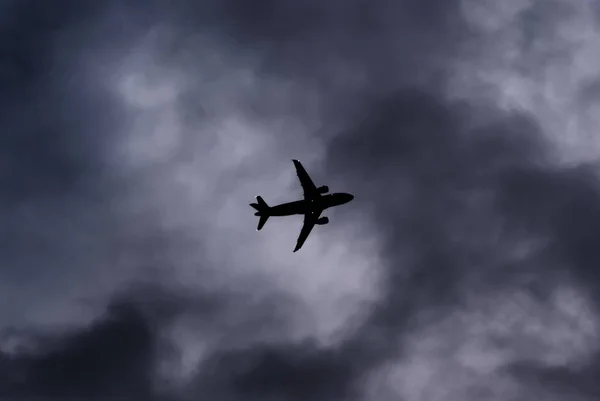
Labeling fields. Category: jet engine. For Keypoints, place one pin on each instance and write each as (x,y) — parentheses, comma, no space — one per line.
(322,221)
(323,190)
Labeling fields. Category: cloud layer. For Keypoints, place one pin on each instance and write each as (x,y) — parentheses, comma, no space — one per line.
(135,135)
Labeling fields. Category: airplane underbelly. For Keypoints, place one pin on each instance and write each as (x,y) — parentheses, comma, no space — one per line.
(287,209)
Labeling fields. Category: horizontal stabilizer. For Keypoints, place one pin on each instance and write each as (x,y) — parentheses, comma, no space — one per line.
(261,222)
(261,202)
(260,205)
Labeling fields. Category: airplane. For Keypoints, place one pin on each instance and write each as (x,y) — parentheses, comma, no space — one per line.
(314,203)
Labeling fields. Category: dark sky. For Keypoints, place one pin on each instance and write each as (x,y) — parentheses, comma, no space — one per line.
(133,135)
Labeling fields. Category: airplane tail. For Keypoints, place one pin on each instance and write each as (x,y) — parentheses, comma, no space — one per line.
(262,211)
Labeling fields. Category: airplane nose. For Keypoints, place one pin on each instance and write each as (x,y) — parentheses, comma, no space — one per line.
(349,197)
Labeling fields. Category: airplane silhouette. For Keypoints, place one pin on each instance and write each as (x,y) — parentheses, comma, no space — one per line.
(313,204)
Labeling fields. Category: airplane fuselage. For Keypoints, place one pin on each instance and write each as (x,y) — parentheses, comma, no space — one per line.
(305,206)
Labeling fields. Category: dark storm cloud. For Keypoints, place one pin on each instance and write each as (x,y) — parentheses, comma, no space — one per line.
(404,133)
(422,161)
(435,175)
(283,372)
(335,43)
(564,381)
(115,357)
(53,124)
(54,133)
(112,358)
(429,176)
(44,151)
(565,204)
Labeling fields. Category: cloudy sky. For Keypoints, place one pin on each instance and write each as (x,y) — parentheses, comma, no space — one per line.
(133,135)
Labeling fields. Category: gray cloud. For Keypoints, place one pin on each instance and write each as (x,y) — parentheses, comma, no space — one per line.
(136,134)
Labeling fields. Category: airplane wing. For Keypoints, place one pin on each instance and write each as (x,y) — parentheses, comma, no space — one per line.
(308,186)
(309,223)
